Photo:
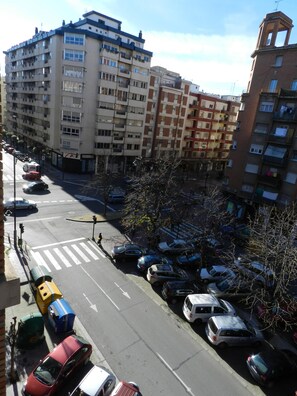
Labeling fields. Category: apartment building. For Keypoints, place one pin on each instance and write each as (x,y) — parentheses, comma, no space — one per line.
(210,124)
(166,111)
(80,91)
(262,165)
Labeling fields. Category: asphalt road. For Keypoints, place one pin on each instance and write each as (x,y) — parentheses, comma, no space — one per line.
(140,337)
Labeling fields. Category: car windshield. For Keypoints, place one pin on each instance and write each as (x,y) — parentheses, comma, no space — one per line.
(261,365)
(48,371)
(212,271)
(224,285)
(223,304)
(249,327)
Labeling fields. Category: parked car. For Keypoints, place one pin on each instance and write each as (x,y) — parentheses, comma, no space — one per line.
(200,307)
(213,246)
(215,273)
(38,185)
(144,262)
(271,365)
(32,175)
(160,273)
(279,314)
(127,251)
(19,203)
(225,331)
(96,382)
(174,290)
(56,367)
(178,246)
(189,260)
(124,388)
(255,272)
(230,288)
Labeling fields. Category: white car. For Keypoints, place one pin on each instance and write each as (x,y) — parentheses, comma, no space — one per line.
(255,271)
(98,381)
(19,203)
(215,273)
(175,247)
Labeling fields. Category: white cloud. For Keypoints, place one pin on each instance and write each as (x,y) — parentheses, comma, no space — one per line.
(213,62)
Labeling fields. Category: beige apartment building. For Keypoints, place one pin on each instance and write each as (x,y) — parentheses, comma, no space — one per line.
(80,91)
(262,165)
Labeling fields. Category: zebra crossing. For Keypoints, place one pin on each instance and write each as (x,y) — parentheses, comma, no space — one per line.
(61,255)
(182,231)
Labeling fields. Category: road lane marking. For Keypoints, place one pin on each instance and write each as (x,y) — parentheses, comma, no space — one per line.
(57,243)
(52,260)
(91,244)
(188,389)
(88,250)
(99,287)
(82,255)
(39,259)
(62,257)
(71,255)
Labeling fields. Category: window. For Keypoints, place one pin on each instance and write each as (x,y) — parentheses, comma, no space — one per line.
(107,62)
(256,149)
(70,116)
(291,178)
(294,155)
(272,86)
(278,61)
(247,188)
(74,56)
(281,131)
(103,132)
(275,151)
(261,128)
(229,163)
(267,107)
(72,86)
(252,168)
(294,85)
(102,145)
(73,71)
(234,145)
(71,38)
(70,131)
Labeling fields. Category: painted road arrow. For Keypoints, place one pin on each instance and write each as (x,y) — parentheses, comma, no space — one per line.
(124,293)
(93,306)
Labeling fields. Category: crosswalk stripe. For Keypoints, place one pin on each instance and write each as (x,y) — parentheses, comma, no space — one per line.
(88,250)
(91,244)
(39,259)
(62,257)
(82,255)
(52,259)
(71,255)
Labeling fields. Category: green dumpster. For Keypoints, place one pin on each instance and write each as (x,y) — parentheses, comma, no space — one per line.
(40,274)
(30,331)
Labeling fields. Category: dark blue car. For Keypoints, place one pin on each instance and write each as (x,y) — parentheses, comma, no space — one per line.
(144,262)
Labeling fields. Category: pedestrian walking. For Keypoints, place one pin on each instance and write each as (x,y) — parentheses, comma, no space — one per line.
(99,239)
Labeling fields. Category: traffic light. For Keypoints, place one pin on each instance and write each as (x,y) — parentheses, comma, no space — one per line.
(94,219)
(22,228)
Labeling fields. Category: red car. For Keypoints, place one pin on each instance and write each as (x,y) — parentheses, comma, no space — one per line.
(33,175)
(55,369)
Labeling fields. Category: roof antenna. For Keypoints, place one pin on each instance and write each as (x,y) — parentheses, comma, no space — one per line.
(277,3)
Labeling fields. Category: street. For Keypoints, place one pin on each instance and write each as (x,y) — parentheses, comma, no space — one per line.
(140,337)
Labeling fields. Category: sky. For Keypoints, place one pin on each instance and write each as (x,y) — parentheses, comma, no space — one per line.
(208,42)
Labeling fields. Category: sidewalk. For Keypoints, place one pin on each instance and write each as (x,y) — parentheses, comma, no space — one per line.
(26,360)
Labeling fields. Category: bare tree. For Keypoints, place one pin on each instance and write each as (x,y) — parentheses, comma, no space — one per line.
(154,198)
(272,242)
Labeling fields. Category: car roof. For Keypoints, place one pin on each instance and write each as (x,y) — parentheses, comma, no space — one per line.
(229,322)
(162,267)
(220,268)
(67,348)
(203,298)
(93,379)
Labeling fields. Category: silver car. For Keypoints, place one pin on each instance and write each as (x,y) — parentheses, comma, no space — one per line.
(19,203)
(226,330)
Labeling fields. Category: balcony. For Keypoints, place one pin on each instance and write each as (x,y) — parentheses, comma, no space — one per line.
(286,115)
(270,180)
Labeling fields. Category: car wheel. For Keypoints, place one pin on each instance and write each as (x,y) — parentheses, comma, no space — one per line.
(223,345)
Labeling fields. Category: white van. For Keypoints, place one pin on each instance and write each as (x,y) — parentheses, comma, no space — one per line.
(97,382)
(200,307)
(31,166)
